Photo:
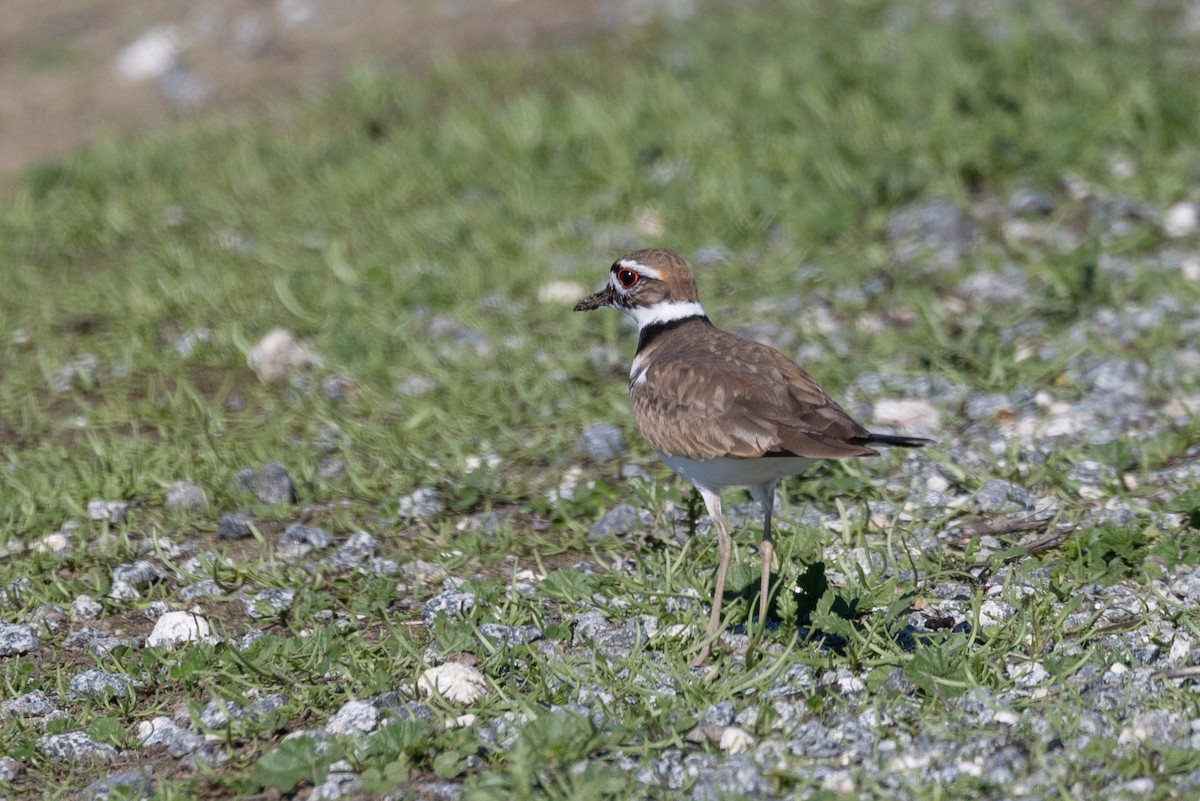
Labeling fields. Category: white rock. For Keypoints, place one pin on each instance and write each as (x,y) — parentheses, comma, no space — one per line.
(1190,267)
(1181,219)
(461,684)
(1007,717)
(735,740)
(838,781)
(907,414)
(150,56)
(174,628)
(937,483)
(278,354)
(54,542)
(1181,648)
(560,292)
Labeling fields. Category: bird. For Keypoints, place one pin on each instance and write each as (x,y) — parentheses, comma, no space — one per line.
(721,410)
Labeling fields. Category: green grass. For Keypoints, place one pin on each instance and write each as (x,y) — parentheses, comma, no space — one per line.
(786,133)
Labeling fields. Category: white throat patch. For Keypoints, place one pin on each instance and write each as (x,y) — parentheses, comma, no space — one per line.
(666,312)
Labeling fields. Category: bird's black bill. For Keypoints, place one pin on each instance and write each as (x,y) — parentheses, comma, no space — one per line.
(897,441)
(602,298)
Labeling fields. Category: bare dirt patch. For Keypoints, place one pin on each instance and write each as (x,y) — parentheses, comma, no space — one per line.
(63,83)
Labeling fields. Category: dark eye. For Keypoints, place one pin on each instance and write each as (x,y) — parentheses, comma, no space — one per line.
(627,277)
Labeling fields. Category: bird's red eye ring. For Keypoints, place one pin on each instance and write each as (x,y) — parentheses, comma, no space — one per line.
(627,277)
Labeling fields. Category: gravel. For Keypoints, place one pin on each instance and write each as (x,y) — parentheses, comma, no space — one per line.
(834,724)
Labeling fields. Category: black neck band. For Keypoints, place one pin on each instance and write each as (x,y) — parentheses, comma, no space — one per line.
(655,330)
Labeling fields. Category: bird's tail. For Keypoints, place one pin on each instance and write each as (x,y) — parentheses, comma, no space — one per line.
(895,441)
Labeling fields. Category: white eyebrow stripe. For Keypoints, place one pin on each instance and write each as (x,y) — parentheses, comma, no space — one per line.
(649,272)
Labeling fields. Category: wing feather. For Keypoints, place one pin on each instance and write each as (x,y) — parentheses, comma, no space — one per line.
(720,395)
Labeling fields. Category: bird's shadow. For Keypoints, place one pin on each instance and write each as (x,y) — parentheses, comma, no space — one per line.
(806,596)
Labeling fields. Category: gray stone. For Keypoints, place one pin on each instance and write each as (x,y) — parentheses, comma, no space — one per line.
(1091,472)
(338,784)
(17,639)
(245,479)
(619,521)
(987,287)
(101,685)
(398,707)
(736,776)
(1002,497)
(186,343)
(952,591)
(249,638)
(423,504)
(1030,203)
(353,552)
(94,640)
(715,253)
(275,485)
(717,716)
(84,607)
(601,442)
(234,526)
(463,336)
(986,408)
(125,784)
(35,705)
(178,740)
(184,496)
(113,511)
(139,575)
(47,618)
(269,603)
(415,386)
(510,635)
(297,533)
(10,769)
(453,604)
(81,372)
(217,714)
(434,791)
(75,746)
(183,88)
(336,388)
(615,640)
(936,232)
(418,572)
(354,718)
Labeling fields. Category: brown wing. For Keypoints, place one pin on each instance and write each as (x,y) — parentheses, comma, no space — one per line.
(720,395)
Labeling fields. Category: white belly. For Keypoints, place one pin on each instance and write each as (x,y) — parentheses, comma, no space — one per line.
(713,474)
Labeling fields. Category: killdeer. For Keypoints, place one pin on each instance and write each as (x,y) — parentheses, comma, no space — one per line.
(721,410)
